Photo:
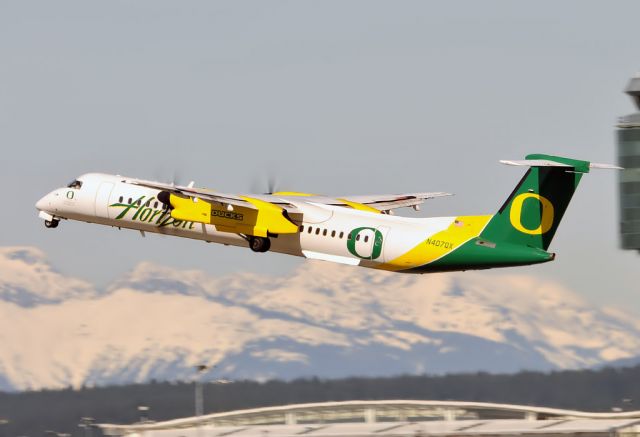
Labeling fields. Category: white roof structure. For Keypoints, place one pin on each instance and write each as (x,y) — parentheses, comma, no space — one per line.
(389,418)
(539,428)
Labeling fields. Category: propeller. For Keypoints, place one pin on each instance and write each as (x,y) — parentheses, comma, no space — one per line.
(262,186)
(271,184)
(174,178)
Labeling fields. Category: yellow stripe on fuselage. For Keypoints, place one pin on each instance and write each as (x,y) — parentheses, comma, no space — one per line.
(461,230)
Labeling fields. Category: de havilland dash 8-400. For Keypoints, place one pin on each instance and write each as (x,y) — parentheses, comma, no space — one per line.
(355,230)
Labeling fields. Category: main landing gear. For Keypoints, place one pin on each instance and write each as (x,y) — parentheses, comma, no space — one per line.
(53,223)
(259,244)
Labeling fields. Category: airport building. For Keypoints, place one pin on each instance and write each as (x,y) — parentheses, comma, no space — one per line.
(402,418)
(629,157)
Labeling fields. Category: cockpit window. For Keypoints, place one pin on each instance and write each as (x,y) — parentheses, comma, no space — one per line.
(75,184)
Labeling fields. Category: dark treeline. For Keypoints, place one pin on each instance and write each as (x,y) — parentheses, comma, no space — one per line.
(33,413)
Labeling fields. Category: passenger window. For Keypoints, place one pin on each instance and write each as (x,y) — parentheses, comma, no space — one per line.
(349,236)
(130,200)
(120,199)
(324,233)
(341,235)
(317,231)
(138,202)
(310,229)
(333,234)
(358,237)
(301,228)
(155,204)
(366,238)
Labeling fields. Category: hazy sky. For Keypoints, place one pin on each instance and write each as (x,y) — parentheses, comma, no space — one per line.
(342,97)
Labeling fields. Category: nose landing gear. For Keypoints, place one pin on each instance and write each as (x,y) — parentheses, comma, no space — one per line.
(53,223)
(259,244)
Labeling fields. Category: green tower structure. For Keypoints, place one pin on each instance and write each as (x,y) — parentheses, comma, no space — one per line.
(629,158)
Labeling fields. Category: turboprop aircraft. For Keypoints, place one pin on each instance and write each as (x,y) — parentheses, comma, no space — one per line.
(355,230)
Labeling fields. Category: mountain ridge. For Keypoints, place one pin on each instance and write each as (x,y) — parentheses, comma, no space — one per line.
(322,319)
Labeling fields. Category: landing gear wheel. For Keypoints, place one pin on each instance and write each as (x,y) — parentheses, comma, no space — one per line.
(259,244)
(51,223)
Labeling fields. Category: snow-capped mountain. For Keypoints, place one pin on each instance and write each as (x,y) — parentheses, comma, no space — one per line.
(26,279)
(321,319)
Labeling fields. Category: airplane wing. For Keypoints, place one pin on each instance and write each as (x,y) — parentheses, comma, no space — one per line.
(372,203)
(261,215)
(377,202)
(386,202)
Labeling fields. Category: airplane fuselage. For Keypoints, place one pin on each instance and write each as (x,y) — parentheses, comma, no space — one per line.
(326,232)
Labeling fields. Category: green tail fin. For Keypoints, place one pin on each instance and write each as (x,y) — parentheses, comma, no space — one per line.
(533,211)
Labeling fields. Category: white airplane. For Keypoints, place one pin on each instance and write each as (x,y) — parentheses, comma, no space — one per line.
(355,230)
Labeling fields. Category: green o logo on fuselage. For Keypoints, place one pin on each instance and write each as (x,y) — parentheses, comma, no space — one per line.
(376,244)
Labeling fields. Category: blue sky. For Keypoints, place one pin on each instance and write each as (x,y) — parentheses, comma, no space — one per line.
(351,97)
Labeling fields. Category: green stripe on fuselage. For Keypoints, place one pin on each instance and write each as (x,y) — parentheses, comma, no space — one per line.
(481,254)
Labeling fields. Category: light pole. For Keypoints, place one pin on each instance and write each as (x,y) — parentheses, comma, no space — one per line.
(199,396)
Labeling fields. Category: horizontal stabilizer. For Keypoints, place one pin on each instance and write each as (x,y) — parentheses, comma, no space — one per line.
(535,163)
(605,166)
(578,166)
(547,163)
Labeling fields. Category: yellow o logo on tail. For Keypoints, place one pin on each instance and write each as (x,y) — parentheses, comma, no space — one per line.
(546,221)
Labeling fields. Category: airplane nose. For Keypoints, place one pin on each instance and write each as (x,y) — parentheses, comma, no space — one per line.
(43,203)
